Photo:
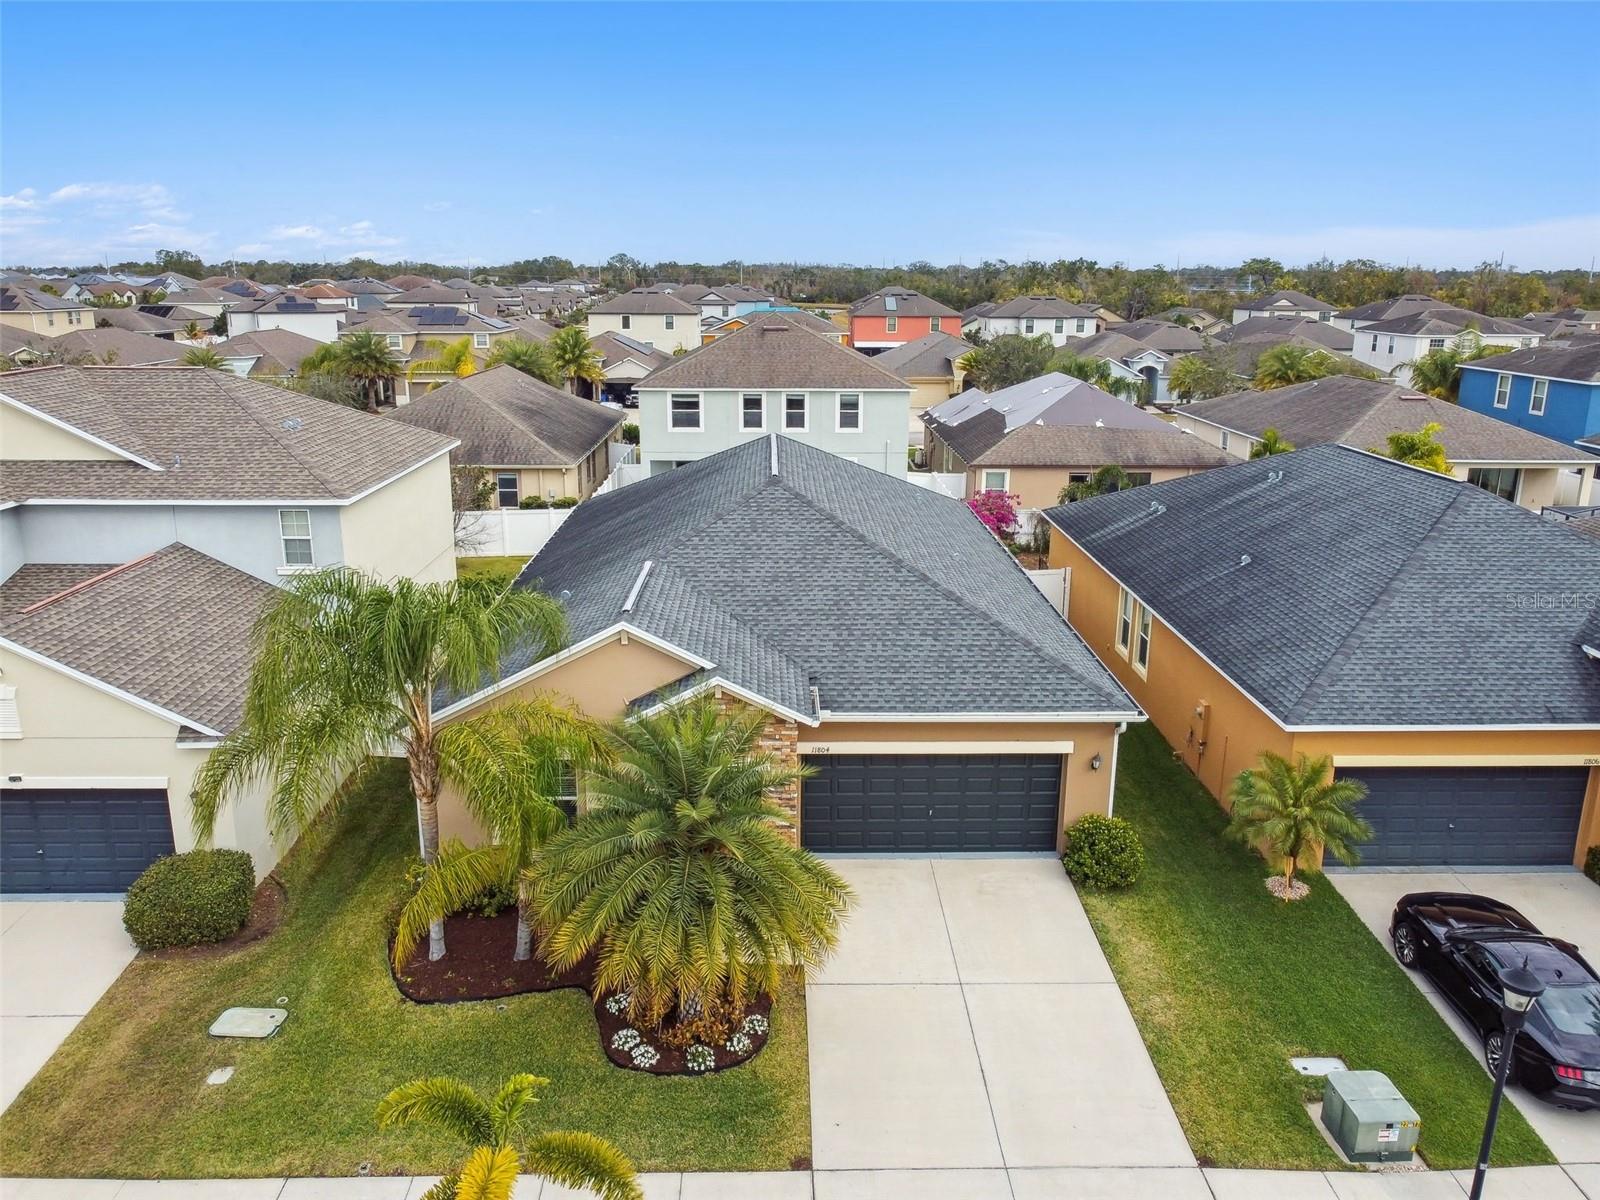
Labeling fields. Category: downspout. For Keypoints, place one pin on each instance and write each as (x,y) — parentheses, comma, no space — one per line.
(1116,745)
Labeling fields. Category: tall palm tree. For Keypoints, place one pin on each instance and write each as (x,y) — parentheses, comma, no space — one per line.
(1271,442)
(445,358)
(679,876)
(526,356)
(496,1130)
(1286,808)
(202,356)
(365,356)
(348,666)
(1289,364)
(573,355)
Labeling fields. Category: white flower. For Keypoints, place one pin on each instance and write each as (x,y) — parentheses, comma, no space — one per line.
(700,1058)
(645,1055)
(738,1044)
(755,1025)
(619,1003)
(626,1039)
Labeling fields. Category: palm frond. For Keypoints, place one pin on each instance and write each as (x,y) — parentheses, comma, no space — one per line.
(582,1160)
(441,1101)
(490,1173)
(451,881)
(513,1099)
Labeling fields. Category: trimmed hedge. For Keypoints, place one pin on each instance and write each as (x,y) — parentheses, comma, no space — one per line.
(1103,852)
(1591,863)
(190,899)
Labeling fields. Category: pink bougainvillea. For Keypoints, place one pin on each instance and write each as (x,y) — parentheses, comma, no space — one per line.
(997,510)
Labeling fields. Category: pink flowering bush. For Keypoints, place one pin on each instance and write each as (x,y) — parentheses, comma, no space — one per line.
(997,510)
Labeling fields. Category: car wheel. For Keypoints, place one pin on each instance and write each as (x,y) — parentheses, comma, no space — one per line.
(1493,1045)
(1407,943)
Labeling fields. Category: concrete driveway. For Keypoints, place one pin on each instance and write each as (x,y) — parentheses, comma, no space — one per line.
(57,957)
(1561,903)
(970,1020)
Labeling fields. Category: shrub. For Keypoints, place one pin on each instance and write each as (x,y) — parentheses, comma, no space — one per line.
(534,502)
(1103,852)
(190,899)
(630,433)
(1591,863)
(564,502)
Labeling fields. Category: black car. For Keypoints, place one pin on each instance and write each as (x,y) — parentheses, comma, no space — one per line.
(1462,943)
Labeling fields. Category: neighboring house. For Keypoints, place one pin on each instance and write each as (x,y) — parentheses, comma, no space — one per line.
(710,331)
(434,295)
(774,376)
(1130,358)
(725,300)
(103,464)
(529,328)
(404,283)
(1391,346)
(320,322)
(411,334)
(1553,390)
(932,366)
(1197,319)
(1514,464)
(1331,601)
(1385,310)
(39,312)
(1165,336)
(818,591)
(533,439)
(116,293)
(1032,316)
(624,362)
(364,285)
(1035,438)
(1246,342)
(892,316)
(1284,304)
(157,320)
(658,319)
(329,294)
(101,346)
(1587,319)
(269,354)
(207,304)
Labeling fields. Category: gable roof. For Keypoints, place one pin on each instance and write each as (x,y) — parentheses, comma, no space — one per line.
(1273,329)
(289,303)
(430,293)
(774,350)
(25,299)
(643,302)
(532,328)
(1288,299)
(277,351)
(172,628)
(112,345)
(1397,306)
(615,348)
(365,286)
(207,436)
(687,556)
(1448,320)
(1038,306)
(1579,363)
(1113,343)
(1338,588)
(1098,446)
(931,356)
(504,418)
(1166,336)
(900,302)
(1364,412)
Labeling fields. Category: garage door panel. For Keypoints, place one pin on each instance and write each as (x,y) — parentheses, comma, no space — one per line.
(80,840)
(938,803)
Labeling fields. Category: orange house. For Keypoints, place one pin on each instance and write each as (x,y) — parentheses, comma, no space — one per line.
(892,316)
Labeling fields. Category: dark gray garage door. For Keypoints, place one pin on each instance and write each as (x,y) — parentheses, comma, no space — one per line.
(1471,816)
(94,840)
(897,802)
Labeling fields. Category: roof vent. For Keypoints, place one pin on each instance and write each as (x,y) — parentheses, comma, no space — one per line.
(1244,560)
(1274,476)
(633,593)
(1157,508)
(293,424)
(1098,423)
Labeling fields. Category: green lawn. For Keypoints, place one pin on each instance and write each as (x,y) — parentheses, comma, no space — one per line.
(126,1094)
(1226,983)
(493,566)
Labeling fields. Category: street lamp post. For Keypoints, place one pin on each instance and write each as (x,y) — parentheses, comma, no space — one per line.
(1520,991)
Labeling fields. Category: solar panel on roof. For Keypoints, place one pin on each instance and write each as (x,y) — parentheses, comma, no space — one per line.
(296,306)
(438,316)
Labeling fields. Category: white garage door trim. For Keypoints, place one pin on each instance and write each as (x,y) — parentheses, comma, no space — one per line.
(934,748)
(80,783)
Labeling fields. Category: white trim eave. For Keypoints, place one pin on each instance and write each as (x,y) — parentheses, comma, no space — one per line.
(76,432)
(576,650)
(87,782)
(915,718)
(716,682)
(1530,728)
(165,714)
(1484,366)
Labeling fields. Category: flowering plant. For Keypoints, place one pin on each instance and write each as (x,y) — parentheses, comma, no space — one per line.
(626,1039)
(645,1055)
(616,1005)
(700,1058)
(997,509)
(739,1043)
(754,1025)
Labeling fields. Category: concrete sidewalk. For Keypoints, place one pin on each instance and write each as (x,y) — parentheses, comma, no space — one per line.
(1015,1183)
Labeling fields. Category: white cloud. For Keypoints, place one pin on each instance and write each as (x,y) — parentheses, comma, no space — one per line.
(434,206)
(140,195)
(297,233)
(26,198)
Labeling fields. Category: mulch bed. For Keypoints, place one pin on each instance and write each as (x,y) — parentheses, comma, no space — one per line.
(266,913)
(478,966)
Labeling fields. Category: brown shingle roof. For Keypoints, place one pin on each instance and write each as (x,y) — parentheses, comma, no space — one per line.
(279,351)
(774,351)
(640,302)
(1095,446)
(907,303)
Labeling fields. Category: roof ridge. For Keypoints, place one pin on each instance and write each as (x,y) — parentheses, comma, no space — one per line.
(85,584)
(249,411)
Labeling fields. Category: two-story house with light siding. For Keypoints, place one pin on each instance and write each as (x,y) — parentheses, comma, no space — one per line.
(658,319)
(33,311)
(1284,304)
(147,515)
(1553,390)
(775,375)
(1032,316)
(892,316)
(1393,345)
(310,318)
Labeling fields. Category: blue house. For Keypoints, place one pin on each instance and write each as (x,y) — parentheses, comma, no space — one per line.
(1553,390)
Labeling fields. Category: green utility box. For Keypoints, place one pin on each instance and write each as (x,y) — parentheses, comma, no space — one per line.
(1369,1118)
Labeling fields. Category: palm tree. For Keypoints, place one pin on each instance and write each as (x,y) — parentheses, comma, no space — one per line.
(1098,372)
(526,356)
(348,666)
(1107,479)
(679,875)
(574,357)
(364,356)
(1419,449)
(1272,442)
(202,356)
(1289,807)
(496,1131)
(1437,373)
(1289,364)
(192,331)
(445,358)
(1203,376)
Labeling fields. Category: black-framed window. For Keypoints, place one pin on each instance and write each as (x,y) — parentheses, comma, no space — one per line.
(1497,481)
(507,488)
(685,412)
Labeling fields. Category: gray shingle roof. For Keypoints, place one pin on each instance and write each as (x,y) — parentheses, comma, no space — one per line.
(931,356)
(775,350)
(109,345)
(1579,363)
(1288,299)
(1272,329)
(822,573)
(505,418)
(277,351)
(1097,446)
(1342,589)
(213,434)
(172,628)
(430,293)
(614,348)
(1398,306)
(1364,412)
(1039,306)
(22,299)
(1165,336)
(1447,320)
(640,302)
(907,303)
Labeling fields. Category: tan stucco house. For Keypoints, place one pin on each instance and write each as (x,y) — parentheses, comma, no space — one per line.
(932,366)
(39,312)
(1436,641)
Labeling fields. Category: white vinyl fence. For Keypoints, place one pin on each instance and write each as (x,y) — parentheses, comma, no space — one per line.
(1053,582)
(497,531)
(945,485)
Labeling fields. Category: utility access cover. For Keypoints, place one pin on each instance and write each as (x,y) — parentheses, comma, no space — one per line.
(1317,1066)
(248,1022)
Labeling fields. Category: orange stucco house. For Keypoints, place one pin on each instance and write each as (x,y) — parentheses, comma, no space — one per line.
(892,316)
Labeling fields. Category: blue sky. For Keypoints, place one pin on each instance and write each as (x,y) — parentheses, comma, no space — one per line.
(835,133)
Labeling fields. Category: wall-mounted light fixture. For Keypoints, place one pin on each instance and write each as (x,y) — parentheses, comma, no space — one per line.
(1094,763)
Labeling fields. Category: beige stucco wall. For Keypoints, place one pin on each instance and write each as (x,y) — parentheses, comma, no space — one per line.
(25,436)
(71,730)
(405,527)
(1040,487)
(926,394)
(650,328)
(52,323)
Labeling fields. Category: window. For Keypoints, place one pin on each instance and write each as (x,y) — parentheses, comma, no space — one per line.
(934,323)
(1224,439)
(1435,344)
(685,412)
(480,341)
(393,339)
(1137,479)
(996,481)
(627,321)
(670,321)
(1061,324)
(294,524)
(1079,328)
(1124,622)
(1391,344)
(891,324)
(1497,481)
(1324,316)
(724,310)
(1077,477)
(1027,325)
(1374,343)
(753,411)
(50,318)
(1141,644)
(1526,342)
(794,411)
(505,486)
(1502,391)
(1537,397)
(10,718)
(849,412)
